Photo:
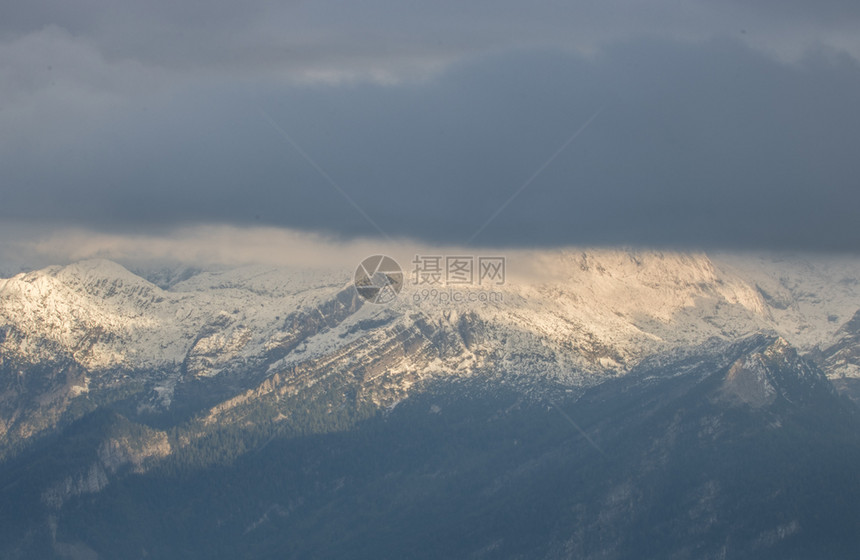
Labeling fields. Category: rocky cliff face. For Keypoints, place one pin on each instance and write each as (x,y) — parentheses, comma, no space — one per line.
(105,446)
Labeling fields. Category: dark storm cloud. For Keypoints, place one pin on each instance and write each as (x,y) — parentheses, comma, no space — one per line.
(201,35)
(160,117)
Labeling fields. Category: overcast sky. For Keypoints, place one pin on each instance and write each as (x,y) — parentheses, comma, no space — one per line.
(675,124)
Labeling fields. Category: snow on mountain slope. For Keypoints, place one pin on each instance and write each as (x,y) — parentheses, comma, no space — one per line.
(632,303)
(808,298)
(571,315)
(598,310)
(589,314)
(106,317)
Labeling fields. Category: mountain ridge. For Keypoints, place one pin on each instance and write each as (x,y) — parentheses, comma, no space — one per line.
(87,334)
(471,467)
(604,390)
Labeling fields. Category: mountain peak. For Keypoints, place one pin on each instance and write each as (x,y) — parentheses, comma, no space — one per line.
(98,269)
(772,370)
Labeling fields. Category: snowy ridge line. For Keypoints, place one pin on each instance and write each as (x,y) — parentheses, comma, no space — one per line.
(602,310)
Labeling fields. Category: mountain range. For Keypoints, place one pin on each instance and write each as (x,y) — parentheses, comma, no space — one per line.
(606,404)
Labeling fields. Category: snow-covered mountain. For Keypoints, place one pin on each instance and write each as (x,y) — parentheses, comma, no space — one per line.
(572,395)
(95,332)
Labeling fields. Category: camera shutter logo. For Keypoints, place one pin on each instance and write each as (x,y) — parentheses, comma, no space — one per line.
(378,279)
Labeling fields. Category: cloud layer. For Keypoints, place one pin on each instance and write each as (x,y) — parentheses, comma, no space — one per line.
(730,125)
